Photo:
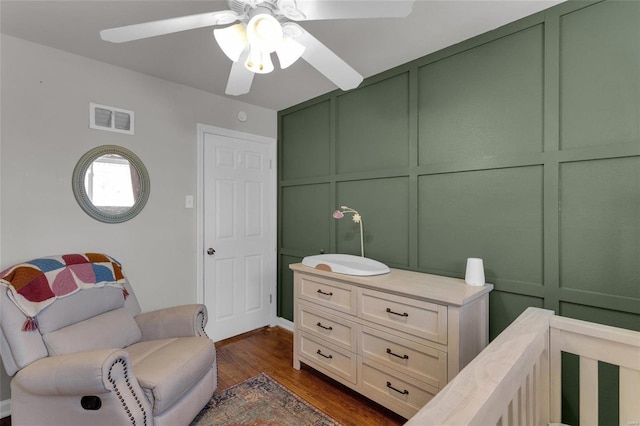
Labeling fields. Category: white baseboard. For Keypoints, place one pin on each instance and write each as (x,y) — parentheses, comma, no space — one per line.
(5,408)
(284,323)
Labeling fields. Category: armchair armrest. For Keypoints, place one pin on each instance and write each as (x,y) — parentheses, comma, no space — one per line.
(79,373)
(51,390)
(177,321)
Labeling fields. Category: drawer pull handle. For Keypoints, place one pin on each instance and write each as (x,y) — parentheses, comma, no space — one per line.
(325,356)
(405,356)
(395,313)
(404,392)
(326,294)
(322,326)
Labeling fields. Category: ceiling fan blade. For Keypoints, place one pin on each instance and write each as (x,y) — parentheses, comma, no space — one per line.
(328,63)
(312,10)
(240,78)
(168,26)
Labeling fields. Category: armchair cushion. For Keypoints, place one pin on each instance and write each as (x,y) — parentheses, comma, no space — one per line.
(113,329)
(168,368)
(83,305)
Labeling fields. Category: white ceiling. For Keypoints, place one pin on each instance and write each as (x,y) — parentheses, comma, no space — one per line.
(193,58)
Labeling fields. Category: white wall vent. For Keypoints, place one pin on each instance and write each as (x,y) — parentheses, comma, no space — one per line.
(102,117)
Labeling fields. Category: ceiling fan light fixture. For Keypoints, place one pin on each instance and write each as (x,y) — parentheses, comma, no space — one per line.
(265,32)
(259,61)
(289,52)
(232,40)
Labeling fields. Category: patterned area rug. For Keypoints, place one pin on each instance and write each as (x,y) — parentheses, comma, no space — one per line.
(260,401)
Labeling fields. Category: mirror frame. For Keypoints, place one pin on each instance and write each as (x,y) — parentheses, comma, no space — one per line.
(80,192)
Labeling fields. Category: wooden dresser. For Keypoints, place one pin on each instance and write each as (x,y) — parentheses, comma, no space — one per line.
(396,338)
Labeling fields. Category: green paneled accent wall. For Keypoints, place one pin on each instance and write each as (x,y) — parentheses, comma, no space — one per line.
(386,223)
(304,145)
(285,287)
(495,214)
(520,146)
(305,223)
(484,102)
(600,75)
(611,317)
(374,135)
(599,233)
(505,307)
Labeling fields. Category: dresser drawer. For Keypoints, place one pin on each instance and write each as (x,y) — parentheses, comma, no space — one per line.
(326,326)
(332,294)
(328,358)
(426,364)
(416,317)
(398,392)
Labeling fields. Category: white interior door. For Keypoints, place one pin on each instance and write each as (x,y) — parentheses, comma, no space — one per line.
(238,235)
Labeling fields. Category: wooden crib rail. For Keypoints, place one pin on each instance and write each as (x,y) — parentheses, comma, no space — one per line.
(516,380)
(593,343)
(506,384)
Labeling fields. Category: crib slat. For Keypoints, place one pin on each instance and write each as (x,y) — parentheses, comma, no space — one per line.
(555,375)
(515,402)
(542,387)
(629,391)
(588,391)
(535,389)
(530,397)
(522,410)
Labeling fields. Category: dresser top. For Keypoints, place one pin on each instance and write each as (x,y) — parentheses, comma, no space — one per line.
(452,291)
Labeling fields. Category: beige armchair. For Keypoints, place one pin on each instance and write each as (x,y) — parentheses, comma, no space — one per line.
(94,359)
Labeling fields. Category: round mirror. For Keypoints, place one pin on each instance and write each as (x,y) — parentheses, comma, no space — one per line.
(111,184)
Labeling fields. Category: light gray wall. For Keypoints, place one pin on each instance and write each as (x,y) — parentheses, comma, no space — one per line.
(45,96)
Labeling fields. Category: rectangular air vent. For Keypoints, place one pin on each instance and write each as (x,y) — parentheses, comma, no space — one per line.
(102,117)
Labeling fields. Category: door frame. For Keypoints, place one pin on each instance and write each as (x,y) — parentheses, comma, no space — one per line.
(273,183)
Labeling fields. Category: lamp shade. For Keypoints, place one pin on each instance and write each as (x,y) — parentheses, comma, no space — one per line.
(232,40)
(288,52)
(265,32)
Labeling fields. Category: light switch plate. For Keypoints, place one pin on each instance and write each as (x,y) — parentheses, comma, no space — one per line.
(188,203)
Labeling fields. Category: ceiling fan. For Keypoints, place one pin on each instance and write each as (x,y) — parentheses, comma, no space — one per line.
(261,27)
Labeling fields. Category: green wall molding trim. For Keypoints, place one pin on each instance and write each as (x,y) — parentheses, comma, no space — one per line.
(520,146)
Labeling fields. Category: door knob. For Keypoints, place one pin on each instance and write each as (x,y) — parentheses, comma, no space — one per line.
(211,251)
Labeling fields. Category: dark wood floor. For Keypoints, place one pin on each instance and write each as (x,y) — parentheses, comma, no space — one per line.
(270,350)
